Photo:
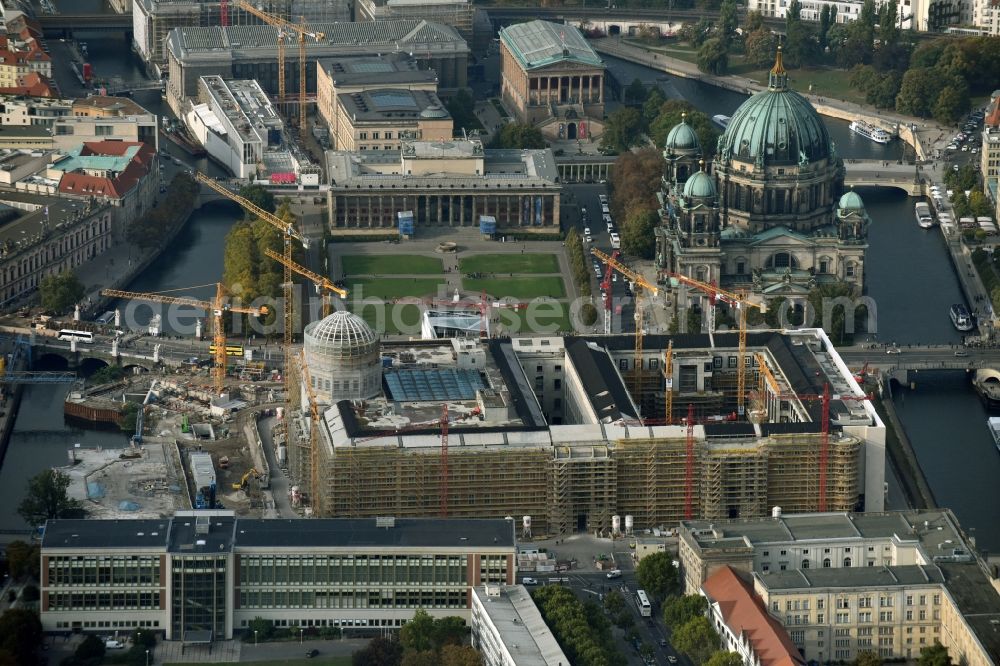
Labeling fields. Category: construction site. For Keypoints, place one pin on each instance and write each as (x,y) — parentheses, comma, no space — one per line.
(550,428)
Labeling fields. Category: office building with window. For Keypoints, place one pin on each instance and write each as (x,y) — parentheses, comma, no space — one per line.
(203,575)
(508,629)
(842,583)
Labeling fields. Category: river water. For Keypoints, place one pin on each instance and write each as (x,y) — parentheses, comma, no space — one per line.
(910,278)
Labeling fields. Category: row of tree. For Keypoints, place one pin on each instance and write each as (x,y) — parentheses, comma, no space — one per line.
(423,641)
(581,628)
(60,292)
(153,228)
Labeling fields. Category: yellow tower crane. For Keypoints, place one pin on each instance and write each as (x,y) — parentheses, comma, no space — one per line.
(322,284)
(313,437)
(302,31)
(740,300)
(216,307)
(639,283)
(288,232)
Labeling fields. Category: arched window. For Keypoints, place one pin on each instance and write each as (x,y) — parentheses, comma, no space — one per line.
(826,562)
(782,260)
(701,274)
(824,265)
(850,269)
(847,562)
(805,564)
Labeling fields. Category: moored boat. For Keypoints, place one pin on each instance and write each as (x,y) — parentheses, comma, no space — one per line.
(961,317)
(923,214)
(873,132)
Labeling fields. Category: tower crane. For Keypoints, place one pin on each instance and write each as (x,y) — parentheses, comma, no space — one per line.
(285,27)
(741,302)
(288,232)
(639,284)
(825,397)
(322,284)
(313,436)
(217,306)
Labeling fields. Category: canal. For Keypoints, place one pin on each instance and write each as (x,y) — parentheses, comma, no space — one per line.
(909,277)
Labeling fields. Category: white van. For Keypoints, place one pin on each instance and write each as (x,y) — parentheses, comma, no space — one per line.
(112,644)
(615,573)
(616,242)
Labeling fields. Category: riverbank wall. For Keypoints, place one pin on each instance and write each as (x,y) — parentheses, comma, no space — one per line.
(902,457)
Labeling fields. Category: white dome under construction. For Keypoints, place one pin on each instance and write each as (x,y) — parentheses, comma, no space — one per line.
(342,354)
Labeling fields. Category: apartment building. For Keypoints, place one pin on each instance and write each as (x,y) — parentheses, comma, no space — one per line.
(508,629)
(920,15)
(24,111)
(842,583)
(989,157)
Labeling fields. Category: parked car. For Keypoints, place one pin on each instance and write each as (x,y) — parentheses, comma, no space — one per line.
(112,644)
(529,581)
(615,573)
(312,653)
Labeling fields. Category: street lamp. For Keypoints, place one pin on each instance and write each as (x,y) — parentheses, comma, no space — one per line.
(147,657)
(300,635)
(255,637)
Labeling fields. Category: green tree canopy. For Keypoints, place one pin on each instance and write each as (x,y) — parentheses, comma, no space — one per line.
(46,498)
(259,196)
(90,650)
(657,575)
(868,658)
(713,57)
(723,658)
(519,135)
(23,560)
(461,106)
(421,658)
(379,652)
(635,94)
(670,115)
(638,239)
(635,181)
(60,292)
(678,610)
(935,655)
(460,655)
(760,46)
(728,21)
(622,129)
(697,639)
(754,21)
(581,629)
(418,633)
(21,634)
(153,228)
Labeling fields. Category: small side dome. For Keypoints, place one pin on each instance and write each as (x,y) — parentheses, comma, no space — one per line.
(851,201)
(434,111)
(682,137)
(699,186)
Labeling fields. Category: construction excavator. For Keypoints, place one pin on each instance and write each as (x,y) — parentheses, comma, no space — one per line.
(252,473)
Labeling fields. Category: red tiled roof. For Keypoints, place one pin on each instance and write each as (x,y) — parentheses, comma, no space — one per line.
(744,614)
(113,188)
(33,84)
(993,116)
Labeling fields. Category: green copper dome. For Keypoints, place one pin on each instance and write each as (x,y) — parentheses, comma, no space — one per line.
(777,127)
(699,186)
(851,201)
(682,137)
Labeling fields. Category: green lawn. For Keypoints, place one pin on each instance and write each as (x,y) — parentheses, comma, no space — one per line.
(510,263)
(391,264)
(397,320)
(388,288)
(522,288)
(547,319)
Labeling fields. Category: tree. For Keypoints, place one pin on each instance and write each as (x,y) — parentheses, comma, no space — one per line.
(678,610)
(697,639)
(622,129)
(635,181)
(519,135)
(21,634)
(60,292)
(47,498)
(581,629)
(840,297)
(635,94)
(888,24)
(638,239)
(418,633)
(588,314)
(723,658)
(461,106)
(130,414)
(728,21)
(651,107)
(868,658)
(935,655)
(259,196)
(460,655)
(824,25)
(420,658)
(917,92)
(449,630)
(713,57)
(657,574)
(951,105)
(754,21)
(30,593)
(379,652)
(90,650)
(614,602)
(759,47)
(23,560)
(260,628)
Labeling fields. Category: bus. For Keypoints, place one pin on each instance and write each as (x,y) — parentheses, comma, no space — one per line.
(642,602)
(79,336)
(231,350)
